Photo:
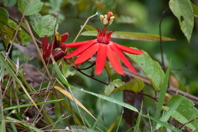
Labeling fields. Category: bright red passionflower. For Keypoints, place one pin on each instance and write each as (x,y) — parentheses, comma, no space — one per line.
(53,47)
(104,48)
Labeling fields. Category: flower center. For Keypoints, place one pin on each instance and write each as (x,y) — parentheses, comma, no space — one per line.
(104,36)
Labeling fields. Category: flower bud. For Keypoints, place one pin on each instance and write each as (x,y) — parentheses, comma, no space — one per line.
(105,21)
(111,20)
(101,18)
(110,14)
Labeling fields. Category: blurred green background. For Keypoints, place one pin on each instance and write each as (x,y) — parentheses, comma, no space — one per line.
(133,16)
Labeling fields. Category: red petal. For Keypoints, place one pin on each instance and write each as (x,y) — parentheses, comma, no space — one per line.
(64,37)
(101,58)
(77,44)
(114,61)
(44,43)
(122,57)
(129,50)
(79,50)
(87,54)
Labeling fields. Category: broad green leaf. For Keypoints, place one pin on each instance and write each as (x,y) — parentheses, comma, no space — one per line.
(33,6)
(163,92)
(3,17)
(169,112)
(43,25)
(195,10)
(66,71)
(28,105)
(24,124)
(185,112)
(117,82)
(135,85)
(111,87)
(64,81)
(9,3)
(7,35)
(162,123)
(130,35)
(22,37)
(151,68)
(183,10)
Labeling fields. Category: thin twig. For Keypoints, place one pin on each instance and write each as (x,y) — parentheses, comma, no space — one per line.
(88,66)
(90,76)
(37,48)
(84,25)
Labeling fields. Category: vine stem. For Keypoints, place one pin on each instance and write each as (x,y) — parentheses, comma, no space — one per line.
(160,34)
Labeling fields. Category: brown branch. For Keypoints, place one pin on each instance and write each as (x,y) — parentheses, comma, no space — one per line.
(171,90)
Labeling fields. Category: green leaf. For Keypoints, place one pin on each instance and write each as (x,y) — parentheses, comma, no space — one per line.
(185,112)
(110,100)
(2,124)
(169,112)
(66,71)
(7,35)
(33,6)
(13,127)
(64,81)
(43,25)
(183,10)
(90,28)
(28,105)
(111,87)
(9,3)
(3,17)
(151,68)
(22,37)
(163,92)
(162,123)
(130,35)
(195,10)
(135,85)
